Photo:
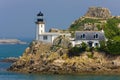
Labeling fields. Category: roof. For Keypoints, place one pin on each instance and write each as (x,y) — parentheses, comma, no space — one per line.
(49,33)
(89,35)
(40,14)
(55,34)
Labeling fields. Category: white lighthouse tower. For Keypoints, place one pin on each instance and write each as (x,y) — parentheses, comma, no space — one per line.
(40,25)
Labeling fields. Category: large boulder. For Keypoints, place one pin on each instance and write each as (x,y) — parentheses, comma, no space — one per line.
(63,42)
(39,47)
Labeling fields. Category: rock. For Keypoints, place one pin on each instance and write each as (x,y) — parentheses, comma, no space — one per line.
(58,62)
(10,59)
(62,41)
(116,63)
(54,30)
(40,58)
(98,12)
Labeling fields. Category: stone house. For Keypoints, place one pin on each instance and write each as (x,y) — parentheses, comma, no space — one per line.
(92,38)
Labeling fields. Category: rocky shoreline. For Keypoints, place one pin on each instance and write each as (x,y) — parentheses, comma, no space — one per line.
(39,58)
(9,59)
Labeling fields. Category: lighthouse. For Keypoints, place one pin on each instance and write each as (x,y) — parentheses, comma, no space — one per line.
(41,34)
(40,28)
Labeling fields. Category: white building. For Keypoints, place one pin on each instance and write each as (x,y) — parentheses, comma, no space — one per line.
(43,36)
(92,38)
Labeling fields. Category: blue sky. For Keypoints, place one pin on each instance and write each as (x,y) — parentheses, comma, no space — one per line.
(17,17)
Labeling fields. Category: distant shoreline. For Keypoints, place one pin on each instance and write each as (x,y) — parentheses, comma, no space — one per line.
(11,41)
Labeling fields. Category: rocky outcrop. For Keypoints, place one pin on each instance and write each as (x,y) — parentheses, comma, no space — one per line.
(94,19)
(62,41)
(54,30)
(9,59)
(98,12)
(41,58)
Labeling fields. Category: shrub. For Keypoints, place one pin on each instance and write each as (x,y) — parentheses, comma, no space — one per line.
(90,55)
(83,46)
(102,46)
(75,51)
(88,49)
(111,47)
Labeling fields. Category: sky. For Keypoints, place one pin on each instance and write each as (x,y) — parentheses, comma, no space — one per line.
(17,17)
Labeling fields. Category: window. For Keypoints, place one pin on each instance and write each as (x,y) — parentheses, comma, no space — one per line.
(45,37)
(41,26)
(82,36)
(96,36)
(96,44)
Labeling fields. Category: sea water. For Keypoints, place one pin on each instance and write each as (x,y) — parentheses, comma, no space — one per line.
(17,50)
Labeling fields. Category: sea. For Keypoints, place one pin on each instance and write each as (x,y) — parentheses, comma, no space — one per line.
(16,50)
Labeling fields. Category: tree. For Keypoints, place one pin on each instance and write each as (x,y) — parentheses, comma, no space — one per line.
(113,47)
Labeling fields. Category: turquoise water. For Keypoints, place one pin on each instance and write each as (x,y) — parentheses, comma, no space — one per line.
(17,50)
(11,50)
(17,76)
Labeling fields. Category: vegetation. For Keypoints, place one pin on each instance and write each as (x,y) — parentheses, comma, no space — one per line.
(112,33)
(111,28)
(111,47)
(75,51)
(79,23)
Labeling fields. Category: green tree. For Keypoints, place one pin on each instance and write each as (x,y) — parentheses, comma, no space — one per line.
(113,47)
(83,46)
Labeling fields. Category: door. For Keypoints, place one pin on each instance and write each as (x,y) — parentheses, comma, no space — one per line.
(90,43)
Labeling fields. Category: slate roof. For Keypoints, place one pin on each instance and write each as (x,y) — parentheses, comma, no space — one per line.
(89,35)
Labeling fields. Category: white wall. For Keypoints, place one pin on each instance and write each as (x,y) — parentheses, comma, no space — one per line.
(85,41)
(49,38)
(41,28)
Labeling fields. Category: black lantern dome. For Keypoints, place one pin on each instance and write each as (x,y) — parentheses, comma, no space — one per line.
(40,14)
(40,17)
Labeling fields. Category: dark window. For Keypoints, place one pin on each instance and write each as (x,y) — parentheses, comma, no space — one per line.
(96,44)
(45,37)
(96,35)
(83,35)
